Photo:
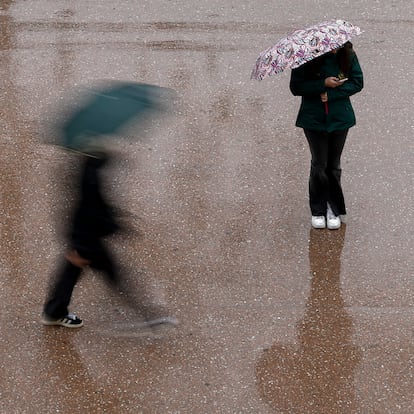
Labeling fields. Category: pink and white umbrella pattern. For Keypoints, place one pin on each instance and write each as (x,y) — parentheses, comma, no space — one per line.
(303,45)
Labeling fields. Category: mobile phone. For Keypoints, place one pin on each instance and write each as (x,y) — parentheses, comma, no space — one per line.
(342,80)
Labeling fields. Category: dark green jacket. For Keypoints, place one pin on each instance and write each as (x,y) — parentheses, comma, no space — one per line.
(312,114)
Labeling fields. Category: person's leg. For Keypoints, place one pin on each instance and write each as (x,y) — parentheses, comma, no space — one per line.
(318,180)
(132,292)
(333,170)
(60,293)
(102,260)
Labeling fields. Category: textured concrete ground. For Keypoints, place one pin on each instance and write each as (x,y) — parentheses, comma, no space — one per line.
(275,317)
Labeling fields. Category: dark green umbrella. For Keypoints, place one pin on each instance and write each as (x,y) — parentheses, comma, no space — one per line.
(106,110)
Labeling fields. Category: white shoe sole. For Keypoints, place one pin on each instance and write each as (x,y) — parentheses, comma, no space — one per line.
(60,322)
(334,224)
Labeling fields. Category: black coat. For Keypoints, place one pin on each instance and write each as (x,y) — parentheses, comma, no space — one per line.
(94,217)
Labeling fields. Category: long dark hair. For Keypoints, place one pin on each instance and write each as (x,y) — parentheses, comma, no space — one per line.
(344,56)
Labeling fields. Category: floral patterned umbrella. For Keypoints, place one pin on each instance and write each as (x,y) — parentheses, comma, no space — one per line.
(303,45)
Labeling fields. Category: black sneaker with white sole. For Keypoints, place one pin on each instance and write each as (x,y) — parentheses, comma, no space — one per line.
(68,321)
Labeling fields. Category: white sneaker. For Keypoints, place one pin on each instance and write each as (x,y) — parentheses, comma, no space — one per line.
(333,222)
(318,222)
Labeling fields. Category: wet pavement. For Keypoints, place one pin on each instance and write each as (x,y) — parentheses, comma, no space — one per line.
(275,317)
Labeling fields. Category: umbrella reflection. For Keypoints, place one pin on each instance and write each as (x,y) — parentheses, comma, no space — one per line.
(316,376)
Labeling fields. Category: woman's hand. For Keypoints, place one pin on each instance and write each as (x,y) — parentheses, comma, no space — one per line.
(332,82)
(76,259)
(324,96)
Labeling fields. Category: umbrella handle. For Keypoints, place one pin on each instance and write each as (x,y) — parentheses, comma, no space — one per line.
(326,108)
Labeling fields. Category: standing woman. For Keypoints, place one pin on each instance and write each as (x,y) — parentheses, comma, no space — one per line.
(326,114)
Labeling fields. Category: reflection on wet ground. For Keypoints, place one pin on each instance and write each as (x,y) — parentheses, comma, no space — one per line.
(132,27)
(274,318)
(316,375)
(74,388)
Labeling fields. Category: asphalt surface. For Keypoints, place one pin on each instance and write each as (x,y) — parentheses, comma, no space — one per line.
(274,317)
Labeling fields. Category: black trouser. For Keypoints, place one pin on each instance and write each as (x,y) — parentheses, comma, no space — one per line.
(60,293)
(325,174)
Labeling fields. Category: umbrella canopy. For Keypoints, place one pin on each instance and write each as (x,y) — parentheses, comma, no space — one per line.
(108,109)
(303,45)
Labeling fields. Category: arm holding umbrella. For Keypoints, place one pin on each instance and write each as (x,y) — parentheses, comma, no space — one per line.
(326,89)
(353,85)
(300,85)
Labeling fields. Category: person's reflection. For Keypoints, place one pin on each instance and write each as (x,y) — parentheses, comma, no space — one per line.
(78,391)
(317,375)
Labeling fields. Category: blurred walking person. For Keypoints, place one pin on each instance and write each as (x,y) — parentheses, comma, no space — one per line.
(93,220)
(103,111)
